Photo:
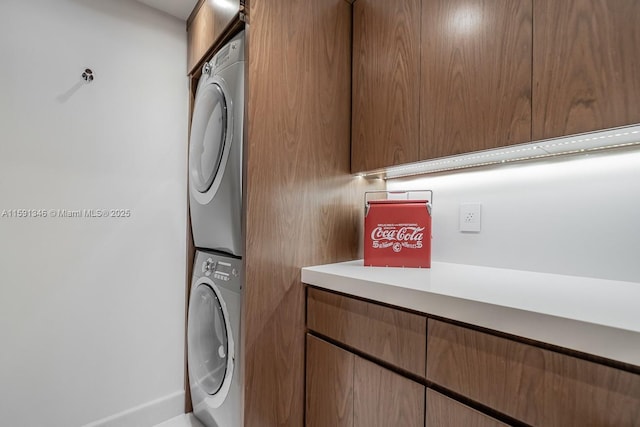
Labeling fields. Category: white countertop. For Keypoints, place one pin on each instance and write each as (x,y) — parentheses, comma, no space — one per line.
(596,316)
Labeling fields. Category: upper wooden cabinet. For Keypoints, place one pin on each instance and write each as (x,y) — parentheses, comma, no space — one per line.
(475,88)
(386,73)
(438,77)
(490,73)
(586,70)
(205,25)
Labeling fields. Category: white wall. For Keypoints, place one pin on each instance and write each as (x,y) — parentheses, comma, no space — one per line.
(92,309)
(573,215)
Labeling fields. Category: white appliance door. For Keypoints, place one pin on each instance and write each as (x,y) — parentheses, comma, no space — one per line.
(208,134)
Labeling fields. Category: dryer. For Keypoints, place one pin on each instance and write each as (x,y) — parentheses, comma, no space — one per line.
(215,151)
(213,340)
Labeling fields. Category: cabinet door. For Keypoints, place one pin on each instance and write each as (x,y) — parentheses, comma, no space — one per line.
(344,390)
(383,398)
(329,385)
(585,65)
(534,385)
(386,68)
(205,26)
(387,334)
(476,75)
(445,412)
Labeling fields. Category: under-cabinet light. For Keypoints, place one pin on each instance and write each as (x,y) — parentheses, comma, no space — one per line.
(575,144)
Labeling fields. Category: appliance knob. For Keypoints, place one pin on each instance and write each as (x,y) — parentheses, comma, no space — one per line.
(208,266)
(206,68)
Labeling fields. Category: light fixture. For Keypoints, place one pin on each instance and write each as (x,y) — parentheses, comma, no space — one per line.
(575,144)
(226,4)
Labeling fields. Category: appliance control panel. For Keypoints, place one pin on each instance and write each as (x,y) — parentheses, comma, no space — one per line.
(231,53)
(220,268)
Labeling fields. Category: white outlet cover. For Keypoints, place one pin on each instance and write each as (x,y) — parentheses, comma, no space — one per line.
(470,218)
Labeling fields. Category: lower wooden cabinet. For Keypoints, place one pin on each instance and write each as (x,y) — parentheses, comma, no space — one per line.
(329,388)
(346,390)
(393,336)
(504,376)
(382,398)
(445,412)
(537,386)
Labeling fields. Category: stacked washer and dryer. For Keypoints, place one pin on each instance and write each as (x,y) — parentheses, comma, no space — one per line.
(215,196)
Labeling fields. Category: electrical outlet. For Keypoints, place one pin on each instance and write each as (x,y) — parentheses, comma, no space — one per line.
(470,217)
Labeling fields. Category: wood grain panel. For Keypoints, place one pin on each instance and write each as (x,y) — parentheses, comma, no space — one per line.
(386,73)
(585,65)
(383,398)
(534,385)
(476,75)
(445,412)
(205,26)
(191,250)
(329,385)
(300,200)
(391,335)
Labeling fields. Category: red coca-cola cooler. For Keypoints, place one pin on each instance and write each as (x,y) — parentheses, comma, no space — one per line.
(397,232)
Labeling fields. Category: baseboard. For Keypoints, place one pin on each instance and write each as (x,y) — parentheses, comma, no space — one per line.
(184,420)
(146,415)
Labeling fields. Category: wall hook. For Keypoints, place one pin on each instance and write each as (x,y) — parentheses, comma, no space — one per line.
(87,75)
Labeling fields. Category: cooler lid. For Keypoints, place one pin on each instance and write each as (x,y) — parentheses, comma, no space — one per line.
(394,201)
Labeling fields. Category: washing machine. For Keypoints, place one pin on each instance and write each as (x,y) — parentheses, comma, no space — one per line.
(213,340)
(215,151)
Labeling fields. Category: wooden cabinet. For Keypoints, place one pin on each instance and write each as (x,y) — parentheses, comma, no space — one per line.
(301,203)
(438,77)
(445,412)
(476,379)
(390,335)
(329,385)
(477,74)
(386,77)
(529,383)
(475,90)
(204,27)
(346,390)
(382,398)
(586,71)
(338,379)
